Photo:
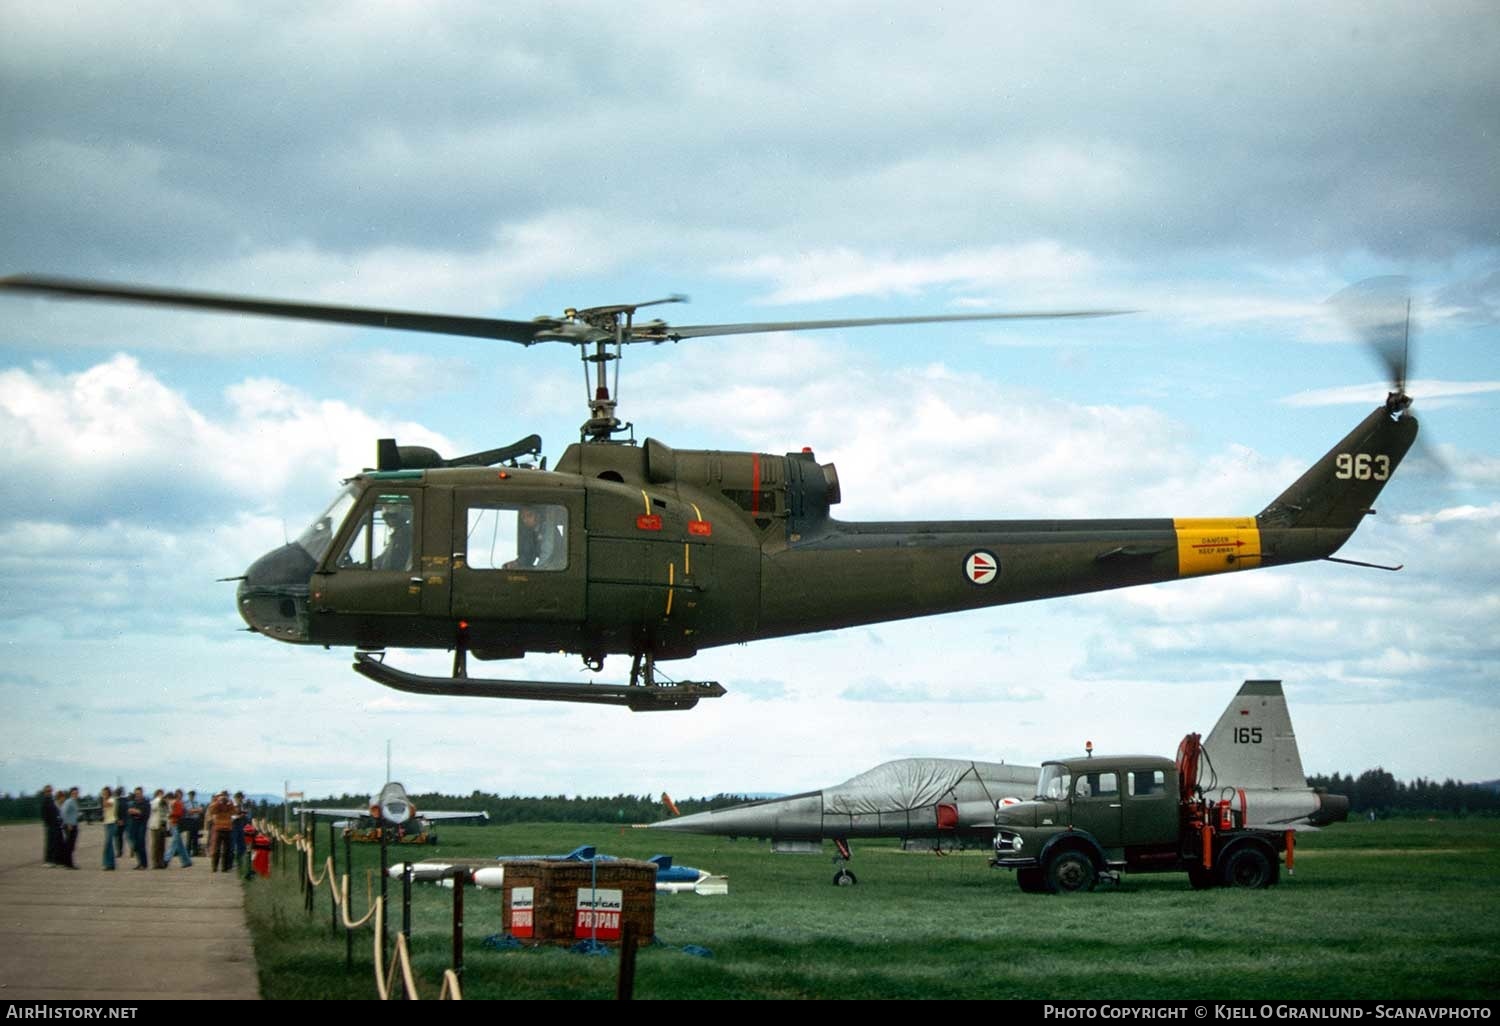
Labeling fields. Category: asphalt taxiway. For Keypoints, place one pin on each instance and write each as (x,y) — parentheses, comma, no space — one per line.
(127,935)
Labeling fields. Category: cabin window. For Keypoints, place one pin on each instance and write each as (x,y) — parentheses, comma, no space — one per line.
(526,536)
(1054,782)
(1146,783)
(1097,785)
(384,538)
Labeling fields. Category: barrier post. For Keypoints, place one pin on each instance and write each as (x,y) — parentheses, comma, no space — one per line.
(312,860)
(384,826)
(625,985)
(460,876)
(348,932)
(406,901)
(333,900)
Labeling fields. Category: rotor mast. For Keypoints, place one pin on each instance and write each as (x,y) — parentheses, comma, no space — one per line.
(610,325)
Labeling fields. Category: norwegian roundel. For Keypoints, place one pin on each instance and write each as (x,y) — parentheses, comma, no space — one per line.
(981,567)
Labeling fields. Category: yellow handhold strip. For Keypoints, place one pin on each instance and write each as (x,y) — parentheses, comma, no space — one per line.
(671,582)
(647,499)
(687,550)
(1212,545)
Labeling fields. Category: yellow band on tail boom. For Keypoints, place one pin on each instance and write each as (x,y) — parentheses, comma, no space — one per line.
(1212,545)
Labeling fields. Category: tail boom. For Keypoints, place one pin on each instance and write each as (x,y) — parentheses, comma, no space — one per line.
(895,570)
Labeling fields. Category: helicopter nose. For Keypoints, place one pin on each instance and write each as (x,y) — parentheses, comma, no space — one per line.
(272,599)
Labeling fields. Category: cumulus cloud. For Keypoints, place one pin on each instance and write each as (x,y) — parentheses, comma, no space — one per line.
(113,442)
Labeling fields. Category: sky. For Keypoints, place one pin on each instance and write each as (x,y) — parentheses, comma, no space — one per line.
(1222,175)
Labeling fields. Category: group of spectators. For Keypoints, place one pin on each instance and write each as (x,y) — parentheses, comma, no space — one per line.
(166,826)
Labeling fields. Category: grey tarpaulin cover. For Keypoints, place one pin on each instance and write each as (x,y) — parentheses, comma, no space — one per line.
(914,783)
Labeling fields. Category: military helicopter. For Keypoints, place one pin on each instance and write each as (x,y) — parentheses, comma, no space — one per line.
(656,552)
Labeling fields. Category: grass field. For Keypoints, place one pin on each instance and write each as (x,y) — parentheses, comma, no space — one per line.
(1396,909)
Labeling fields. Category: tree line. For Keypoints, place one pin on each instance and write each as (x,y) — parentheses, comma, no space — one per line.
(619,808)
(1373,790)
(1376,790)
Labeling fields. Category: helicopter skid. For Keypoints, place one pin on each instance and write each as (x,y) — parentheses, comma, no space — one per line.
(638,697)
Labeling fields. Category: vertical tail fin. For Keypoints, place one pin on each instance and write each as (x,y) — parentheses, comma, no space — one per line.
(1253,746)
(1340,489)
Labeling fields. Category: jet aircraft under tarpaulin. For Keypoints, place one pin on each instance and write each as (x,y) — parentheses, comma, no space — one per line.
(934,799)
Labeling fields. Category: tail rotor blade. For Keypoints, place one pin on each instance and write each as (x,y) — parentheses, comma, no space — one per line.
(1379,312)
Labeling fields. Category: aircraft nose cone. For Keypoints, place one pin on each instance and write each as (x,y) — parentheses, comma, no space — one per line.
(685,824)
(736,821)
(272,599)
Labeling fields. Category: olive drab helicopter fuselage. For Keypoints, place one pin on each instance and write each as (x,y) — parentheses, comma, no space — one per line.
(656,553)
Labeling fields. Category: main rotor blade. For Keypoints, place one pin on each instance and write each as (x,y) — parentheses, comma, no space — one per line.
(543,329)
(524,332)
(646,333)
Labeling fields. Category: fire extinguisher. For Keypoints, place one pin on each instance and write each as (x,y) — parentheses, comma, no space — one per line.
(1226,817)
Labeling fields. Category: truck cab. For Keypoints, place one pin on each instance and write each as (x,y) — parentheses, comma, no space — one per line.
(1094,816)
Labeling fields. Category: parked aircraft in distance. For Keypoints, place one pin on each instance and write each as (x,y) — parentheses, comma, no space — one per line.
(393,806)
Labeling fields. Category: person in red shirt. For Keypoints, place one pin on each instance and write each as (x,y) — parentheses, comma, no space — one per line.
(176,810)
(221,820)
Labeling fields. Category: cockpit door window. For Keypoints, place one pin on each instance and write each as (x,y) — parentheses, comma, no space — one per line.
(384,538)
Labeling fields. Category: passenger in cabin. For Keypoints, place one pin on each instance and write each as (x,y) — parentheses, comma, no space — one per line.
(539,541)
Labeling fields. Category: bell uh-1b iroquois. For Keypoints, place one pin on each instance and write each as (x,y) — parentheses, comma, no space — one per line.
(656,552)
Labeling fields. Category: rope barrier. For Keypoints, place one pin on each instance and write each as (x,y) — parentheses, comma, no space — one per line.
(327,868)
(384,977)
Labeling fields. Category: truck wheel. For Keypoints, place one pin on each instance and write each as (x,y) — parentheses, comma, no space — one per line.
(1070,872)
(1031,881)
(1249,866)
(1201,879)
(844,878)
